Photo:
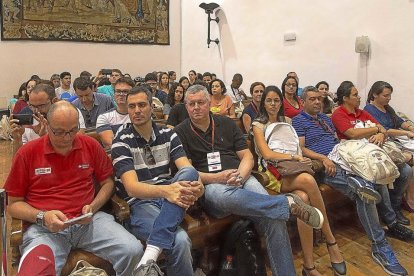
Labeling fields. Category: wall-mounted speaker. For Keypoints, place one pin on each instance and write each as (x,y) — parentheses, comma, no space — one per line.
(362,44)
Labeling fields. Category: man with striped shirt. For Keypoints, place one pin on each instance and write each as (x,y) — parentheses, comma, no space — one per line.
(317,139)
(142,154)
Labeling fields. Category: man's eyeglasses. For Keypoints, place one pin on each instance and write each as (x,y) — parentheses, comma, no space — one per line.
(62,133)
(122,92)
(40,106)
(148,156)
(199,103)
(88,118)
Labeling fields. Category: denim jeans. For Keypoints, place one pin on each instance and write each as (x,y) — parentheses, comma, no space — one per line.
(269,213)
(400,185)
(157,222)
(367,213)
(102,236)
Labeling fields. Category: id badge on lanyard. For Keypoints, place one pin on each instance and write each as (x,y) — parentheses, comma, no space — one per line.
(214,161)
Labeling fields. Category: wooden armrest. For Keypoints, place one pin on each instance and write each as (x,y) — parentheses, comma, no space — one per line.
(189,222)
(120,208)
(261,177)
(16,232)
(16,239)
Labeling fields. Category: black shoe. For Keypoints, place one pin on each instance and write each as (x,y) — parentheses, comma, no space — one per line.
(400,232)
(401,218)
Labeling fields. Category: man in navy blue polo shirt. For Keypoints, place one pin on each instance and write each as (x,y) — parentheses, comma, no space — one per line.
(317,138)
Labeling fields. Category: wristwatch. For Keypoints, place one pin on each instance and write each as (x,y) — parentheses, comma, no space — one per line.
(40,218)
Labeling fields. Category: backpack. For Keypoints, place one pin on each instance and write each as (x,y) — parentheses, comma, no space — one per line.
(282,137)
(368,161)
(243,245)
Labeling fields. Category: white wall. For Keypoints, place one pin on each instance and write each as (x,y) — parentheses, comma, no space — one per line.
(21,59)
(251,42)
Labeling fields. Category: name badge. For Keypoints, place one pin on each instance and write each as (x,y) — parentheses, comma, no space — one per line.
(41,171)
(83,166)
(214,161)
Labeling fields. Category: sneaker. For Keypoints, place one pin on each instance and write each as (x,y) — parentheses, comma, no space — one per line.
(386,259)
(308,214)
(364,190)
(149,269)
(400,232)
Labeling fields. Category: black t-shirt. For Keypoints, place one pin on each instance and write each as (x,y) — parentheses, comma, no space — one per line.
(228,139)
(178,113)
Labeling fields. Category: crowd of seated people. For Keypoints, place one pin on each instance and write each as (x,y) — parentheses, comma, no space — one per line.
(201,111)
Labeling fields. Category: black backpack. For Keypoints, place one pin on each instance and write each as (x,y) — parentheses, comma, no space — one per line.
(242,251)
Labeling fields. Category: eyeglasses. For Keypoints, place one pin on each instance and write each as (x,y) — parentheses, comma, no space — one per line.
(148,156)
(62,133)
(152,83)
(199,103)
(40,106)
(272,101)
(88,118)
(122,92)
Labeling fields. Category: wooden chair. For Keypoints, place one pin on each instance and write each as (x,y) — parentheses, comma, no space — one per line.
(119,209)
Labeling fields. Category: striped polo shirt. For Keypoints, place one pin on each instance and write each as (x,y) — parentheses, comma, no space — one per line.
(319,132)
(130,152)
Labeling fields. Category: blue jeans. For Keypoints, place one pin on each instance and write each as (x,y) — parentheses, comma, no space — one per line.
(400,185)
(367,213)
(269,213)
(102,236)
(157,222)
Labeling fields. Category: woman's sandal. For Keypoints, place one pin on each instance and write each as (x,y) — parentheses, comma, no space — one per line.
(305,270)
(339,268)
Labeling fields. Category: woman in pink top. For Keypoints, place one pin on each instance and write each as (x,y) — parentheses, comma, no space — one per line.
(291,101)
(220,103)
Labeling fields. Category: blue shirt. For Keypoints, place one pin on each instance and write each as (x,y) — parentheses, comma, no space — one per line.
(384,118)
(130,152)
(319,132)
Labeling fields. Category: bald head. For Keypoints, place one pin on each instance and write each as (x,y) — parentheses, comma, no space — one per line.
(62,110)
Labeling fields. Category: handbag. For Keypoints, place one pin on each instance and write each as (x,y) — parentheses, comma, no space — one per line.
(83,268)
(287,168)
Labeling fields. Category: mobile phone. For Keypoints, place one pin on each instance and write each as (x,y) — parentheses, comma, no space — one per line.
(4,112)
(24,119)
(75,219)
(106,71)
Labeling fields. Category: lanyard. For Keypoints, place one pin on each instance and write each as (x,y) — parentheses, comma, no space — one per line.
(212,134)
(319,122)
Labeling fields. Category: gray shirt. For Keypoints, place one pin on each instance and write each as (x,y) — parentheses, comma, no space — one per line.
(101,104)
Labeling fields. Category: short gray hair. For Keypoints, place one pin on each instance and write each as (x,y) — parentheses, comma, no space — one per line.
(307,89)
(193,89)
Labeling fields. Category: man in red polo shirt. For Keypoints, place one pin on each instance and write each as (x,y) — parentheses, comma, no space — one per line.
(52,181)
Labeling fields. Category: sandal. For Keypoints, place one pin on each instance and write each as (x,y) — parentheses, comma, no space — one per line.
(339,268)
(305,270)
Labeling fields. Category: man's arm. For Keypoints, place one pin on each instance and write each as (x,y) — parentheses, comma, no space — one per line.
(103,195)
(330,168)
(53,219)
(175,192)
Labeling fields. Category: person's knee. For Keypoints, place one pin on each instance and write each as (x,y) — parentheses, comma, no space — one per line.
(189,173)
(308,182)
(405,171)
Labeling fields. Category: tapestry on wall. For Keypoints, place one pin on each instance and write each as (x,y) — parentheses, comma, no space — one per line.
(114,21)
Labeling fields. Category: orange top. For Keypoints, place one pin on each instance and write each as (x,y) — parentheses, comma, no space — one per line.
(221,107)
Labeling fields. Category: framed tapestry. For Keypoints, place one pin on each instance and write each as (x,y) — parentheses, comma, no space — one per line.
(112,21)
